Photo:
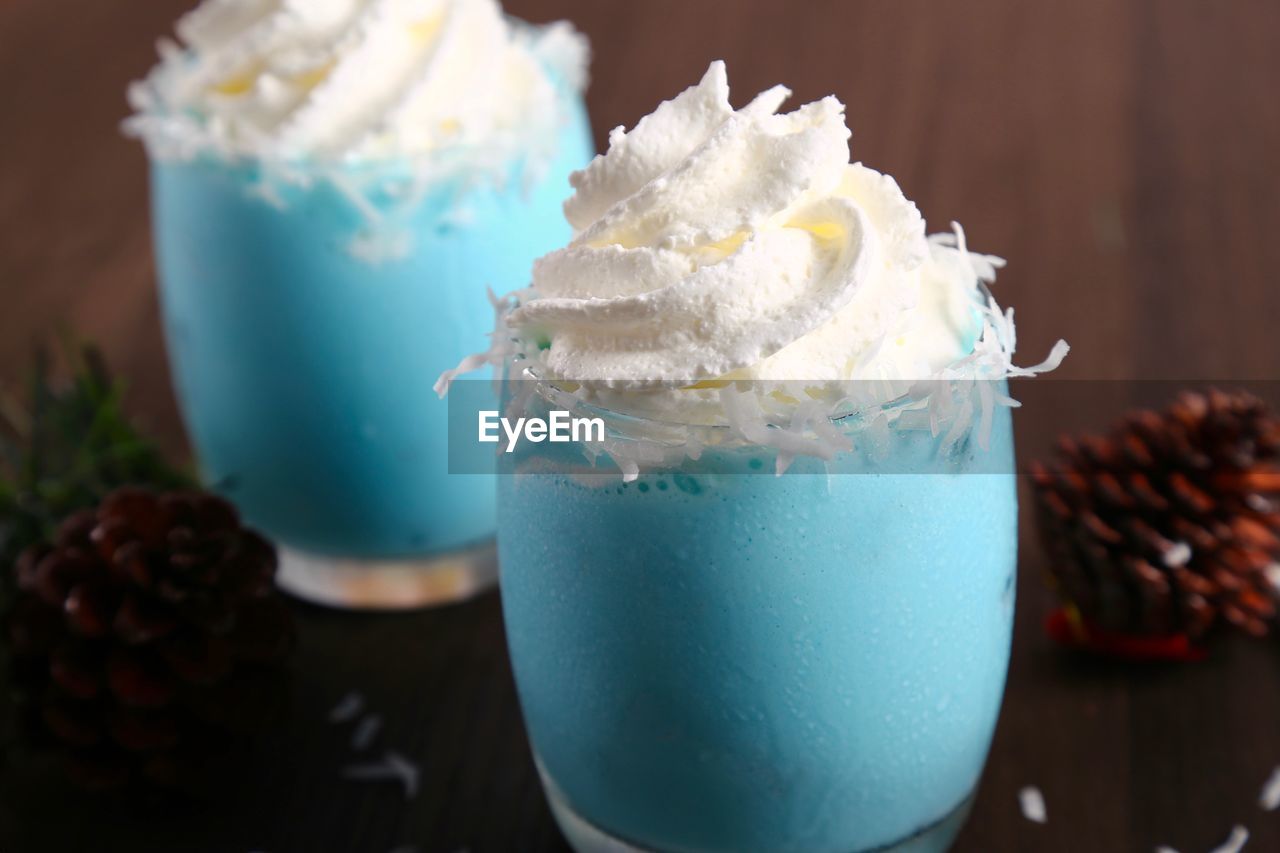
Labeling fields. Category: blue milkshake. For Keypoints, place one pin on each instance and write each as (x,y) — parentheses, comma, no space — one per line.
(768,605)
(329,208)
(711,657)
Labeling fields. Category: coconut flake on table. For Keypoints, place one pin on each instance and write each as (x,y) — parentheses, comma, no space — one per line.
(393,767)
(1235,841)
(366,730)
(347,709)
(1032,802)
(1269,799)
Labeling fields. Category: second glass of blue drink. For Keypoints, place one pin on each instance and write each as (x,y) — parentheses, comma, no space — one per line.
(334,188)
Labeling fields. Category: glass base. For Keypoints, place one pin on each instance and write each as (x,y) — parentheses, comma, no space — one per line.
(585,837)
(356,584)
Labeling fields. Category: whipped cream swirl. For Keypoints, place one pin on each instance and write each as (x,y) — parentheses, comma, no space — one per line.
(356,81)
(714,243)
(734,279)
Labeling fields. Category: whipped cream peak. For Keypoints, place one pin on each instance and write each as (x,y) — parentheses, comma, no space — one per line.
(658,143)
(355,80)
(720,243)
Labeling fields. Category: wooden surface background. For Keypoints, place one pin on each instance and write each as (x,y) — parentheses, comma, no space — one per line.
(1121,154)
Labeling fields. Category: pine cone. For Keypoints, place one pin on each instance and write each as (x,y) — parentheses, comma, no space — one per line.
(1168,526)
(147,635)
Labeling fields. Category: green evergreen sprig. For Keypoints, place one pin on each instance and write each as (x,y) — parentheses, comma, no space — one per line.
(65,447)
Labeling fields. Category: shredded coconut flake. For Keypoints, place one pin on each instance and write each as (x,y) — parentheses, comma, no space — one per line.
(753,415)
(393,767)
(347,709)
(1235,841)
(1032,803)
(1269,799)
(366,731)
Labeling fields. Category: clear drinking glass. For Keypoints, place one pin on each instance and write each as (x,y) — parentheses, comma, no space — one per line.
(305,311)
(712,657)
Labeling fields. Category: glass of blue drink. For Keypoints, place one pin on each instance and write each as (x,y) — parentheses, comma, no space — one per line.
(334,187)
(712,657)
(765,602)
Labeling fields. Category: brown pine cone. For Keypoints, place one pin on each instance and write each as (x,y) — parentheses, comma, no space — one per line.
(1169,524)
(135,629)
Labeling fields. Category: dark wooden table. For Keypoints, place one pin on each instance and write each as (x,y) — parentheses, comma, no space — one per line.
(1122,155)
